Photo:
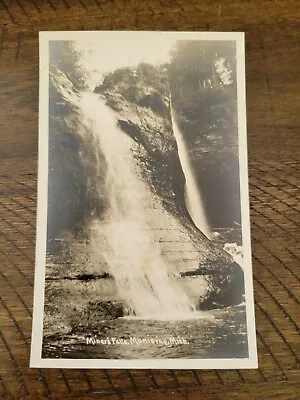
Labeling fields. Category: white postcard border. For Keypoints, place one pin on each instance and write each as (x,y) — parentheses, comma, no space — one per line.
(36,359)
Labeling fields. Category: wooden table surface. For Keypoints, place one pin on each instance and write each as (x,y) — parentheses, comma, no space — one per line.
(273,94)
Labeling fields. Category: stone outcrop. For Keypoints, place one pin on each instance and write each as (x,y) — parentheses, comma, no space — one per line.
(154,148)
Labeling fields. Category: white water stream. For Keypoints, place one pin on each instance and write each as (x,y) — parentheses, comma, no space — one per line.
(134,259)
(193,198)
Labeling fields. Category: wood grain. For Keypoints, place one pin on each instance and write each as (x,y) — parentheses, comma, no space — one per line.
(273,99)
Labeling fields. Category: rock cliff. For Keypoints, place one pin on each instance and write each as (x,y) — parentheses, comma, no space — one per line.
(141,100)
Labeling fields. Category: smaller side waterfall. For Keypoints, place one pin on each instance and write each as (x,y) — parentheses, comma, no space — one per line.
(193,198)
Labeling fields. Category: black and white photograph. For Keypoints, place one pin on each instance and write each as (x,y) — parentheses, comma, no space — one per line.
(143,255)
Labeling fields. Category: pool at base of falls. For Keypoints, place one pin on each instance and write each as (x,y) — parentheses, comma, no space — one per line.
(220,334)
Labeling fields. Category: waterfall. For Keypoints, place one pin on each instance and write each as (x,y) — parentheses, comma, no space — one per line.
(133,257)
(193,198)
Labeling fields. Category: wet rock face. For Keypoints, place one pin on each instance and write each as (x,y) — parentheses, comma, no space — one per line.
(143,113)
(141,103)
(225,286)
(73,168)
(98,311)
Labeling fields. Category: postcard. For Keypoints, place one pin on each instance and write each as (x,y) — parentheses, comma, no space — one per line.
(143,255)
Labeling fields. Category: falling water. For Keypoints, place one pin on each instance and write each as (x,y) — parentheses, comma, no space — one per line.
(135,261)
(193,199)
